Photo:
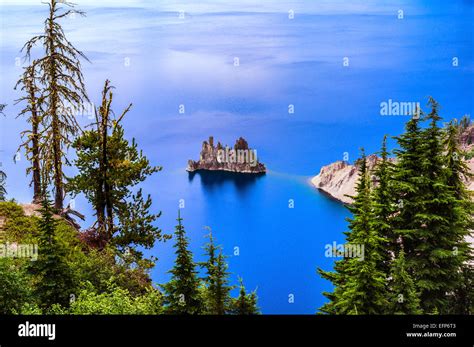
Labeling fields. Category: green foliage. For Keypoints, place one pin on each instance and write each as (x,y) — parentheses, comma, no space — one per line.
(245,304)
(115,300)
(383,206)
(364,275)
(430,251)
(15,222)
(406,182)
(469,155)
(99,267)
(53,278)
(109,167)
(15,288)
(136,228)
(355,277)
(29,308)
(414,223)
(108,281)
(217,294)
(182,292)
(461,301)
(460,220)
(404,298)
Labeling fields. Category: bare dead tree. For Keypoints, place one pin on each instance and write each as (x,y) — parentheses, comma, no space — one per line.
(63,92)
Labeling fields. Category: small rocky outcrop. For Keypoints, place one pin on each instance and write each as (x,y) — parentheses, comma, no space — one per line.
(240,158)
(339,179)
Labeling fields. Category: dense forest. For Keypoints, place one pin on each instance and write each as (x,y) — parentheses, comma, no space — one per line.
(101,270)
(412,214)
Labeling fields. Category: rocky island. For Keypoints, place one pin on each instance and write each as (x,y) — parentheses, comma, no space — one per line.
(239,159)
(339,179)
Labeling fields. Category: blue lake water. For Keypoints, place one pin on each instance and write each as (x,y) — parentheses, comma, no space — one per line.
(160,61)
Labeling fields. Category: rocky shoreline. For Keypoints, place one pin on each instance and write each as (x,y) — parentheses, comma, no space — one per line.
(339,179)
(238,159)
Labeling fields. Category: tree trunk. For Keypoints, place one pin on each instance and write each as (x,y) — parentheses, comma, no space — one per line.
(58,181)
(37,193)
(108,202)
(100,208)
(56,131)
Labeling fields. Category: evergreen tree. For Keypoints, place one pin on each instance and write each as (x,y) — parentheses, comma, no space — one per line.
(182,294)
(63,91)
(460,217)
(433,248)
(339,276)
(406,180)
(221,292)
(135,228)
(54,279)
(404,297)
(109,167)
(217,279)
(245,304)
(419,205)
(364,274)
(357,276)
(383,206)
(461,301)
(33,144)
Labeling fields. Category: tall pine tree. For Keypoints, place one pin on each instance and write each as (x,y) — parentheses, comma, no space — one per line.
(217,280)
(460,217)
(406,181)
(433,248)
(364,274)
(357,276)
(54,282)
(182,294)
(383,206)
